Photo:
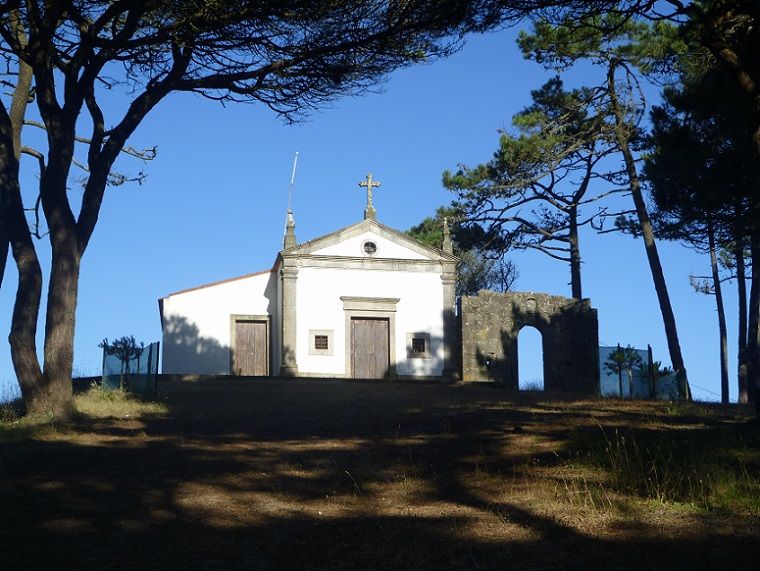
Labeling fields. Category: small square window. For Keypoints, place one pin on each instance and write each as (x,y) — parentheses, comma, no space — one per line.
(321,343)
(418,345)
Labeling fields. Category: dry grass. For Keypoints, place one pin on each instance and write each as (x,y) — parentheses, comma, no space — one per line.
(96,403)
(270,474)
(99,402)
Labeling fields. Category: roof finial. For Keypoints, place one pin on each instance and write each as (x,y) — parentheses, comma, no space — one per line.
(369,212)
(289,240)
(290,232)
(446,246)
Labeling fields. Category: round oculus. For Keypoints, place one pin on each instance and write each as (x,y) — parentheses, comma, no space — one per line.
(369,247)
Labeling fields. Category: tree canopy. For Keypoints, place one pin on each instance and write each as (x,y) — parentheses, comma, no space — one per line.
(702,172)
(535,187)
(482,262)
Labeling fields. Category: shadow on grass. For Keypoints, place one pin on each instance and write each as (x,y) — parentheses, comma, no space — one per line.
(332,475)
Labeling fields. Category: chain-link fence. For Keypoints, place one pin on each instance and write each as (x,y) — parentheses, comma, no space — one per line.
(137,375)
(630,373)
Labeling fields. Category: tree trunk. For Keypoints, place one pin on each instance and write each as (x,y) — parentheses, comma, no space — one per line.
(64,275)
(4,248)
(18,239)
(753,332)
(59,327)
(660,286)
(23,330)
(740,64)
(19,103)
(575,255)
(723,334)
(753,337)
(15,235)
(741,280)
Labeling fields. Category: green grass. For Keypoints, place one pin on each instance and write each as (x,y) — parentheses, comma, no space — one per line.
(710,470)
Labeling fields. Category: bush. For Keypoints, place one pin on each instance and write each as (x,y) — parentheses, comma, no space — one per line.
(11,411)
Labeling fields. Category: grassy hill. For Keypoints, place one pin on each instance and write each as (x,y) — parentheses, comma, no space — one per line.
(275,474)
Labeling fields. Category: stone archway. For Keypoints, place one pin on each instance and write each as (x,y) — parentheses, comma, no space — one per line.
(491,322)
(530,359)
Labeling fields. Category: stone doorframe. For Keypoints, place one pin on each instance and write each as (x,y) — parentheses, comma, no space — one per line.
(371,307)
(569,330)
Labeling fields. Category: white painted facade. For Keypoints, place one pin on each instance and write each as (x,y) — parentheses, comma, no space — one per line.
(317,288)
(320,308)
(196,323)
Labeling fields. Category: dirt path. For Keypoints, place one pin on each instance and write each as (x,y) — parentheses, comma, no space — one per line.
(274,474)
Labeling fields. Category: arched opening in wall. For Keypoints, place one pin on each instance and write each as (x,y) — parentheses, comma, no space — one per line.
(530,359)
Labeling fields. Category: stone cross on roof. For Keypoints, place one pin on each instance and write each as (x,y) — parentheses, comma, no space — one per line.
(369,212)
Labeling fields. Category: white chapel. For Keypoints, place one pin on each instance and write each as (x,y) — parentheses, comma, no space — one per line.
(364,302)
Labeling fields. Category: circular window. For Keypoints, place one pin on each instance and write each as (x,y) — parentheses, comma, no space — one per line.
(369,247)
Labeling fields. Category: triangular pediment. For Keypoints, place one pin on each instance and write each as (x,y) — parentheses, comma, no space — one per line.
(350,242)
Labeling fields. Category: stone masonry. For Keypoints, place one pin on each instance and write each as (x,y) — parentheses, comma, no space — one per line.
(569,329)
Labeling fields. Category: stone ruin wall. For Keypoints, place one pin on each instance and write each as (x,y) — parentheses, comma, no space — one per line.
(569,329)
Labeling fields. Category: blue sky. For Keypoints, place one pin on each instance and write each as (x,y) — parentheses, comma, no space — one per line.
(213,205)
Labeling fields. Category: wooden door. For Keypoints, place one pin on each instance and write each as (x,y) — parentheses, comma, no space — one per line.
(369,348)
(251,348)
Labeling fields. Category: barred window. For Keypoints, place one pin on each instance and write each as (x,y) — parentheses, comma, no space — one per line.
(321,343)
(418,345)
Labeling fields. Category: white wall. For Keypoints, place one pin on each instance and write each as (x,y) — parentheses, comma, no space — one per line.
(319,306)
(385,248)
(196,323)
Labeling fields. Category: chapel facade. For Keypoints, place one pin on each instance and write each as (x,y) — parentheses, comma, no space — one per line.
(363,302)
